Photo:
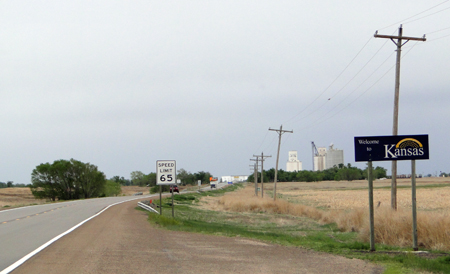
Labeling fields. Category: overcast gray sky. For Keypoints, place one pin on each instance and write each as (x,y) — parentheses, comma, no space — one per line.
(121,84)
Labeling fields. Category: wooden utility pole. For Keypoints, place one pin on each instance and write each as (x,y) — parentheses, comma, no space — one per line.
(280,132)
(401,40)
(262,171)
(255,174)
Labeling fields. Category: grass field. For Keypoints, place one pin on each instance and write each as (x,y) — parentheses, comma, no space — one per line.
(346,204)
(17,196)
(21,196)
(304,216)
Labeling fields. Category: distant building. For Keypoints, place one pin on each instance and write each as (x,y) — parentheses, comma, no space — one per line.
(293,163)
(319,159)
(234,178)
(325,159)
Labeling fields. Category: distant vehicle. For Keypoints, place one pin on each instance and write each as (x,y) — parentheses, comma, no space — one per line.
(213,181)
(174,189)
(138,193)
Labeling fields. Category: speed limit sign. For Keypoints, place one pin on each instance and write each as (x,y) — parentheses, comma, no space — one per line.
(166,172)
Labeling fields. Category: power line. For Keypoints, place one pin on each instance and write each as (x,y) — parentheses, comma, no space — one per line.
(325,102)
(428,33)
(439,38)
(318,122)
(363,82)
(396,23)
(339,75)
(426,16)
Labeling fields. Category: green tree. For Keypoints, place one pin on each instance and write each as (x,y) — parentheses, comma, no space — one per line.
(381,172)
(91,182)
(151,179)
(43,181)
(137,178)
(306,176)
(377,173)
(111,188)
(348,173)
(186,177)
(202,176)
(121,180)
(65,180)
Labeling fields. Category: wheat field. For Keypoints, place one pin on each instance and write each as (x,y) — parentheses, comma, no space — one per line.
(346,204)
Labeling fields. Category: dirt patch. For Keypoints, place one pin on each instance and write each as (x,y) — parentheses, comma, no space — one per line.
(130,190)
(210,203)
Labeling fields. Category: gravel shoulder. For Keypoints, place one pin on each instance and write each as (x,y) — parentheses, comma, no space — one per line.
(121,240)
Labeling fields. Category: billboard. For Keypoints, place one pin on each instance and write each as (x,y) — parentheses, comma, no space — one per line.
(391,148)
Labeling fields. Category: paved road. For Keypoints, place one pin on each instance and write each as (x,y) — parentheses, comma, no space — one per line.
(22,230)
(121,240)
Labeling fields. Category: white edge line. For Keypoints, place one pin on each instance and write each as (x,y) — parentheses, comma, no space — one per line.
(56,203)
(39,249)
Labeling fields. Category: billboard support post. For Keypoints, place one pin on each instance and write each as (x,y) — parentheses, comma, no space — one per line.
(414,205)
(371,211)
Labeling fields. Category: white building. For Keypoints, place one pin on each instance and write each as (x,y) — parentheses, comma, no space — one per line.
(293,163)
(234,178)
(319,159)
(326,159)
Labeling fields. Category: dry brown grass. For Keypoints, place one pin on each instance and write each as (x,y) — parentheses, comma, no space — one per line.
(21,196)
(349,210)
(17,196)
(130,190)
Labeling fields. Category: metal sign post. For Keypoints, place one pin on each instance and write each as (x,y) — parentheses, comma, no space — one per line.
(166,174)
(392,148)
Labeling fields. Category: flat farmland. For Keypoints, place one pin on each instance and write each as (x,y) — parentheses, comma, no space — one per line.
(433,194)
(345,203)
(17,196)
(21,196)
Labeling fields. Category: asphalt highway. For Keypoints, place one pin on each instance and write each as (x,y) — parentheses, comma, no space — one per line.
(25,229)
(121,240)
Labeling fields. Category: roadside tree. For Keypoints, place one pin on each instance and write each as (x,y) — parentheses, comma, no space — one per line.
(64,180)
